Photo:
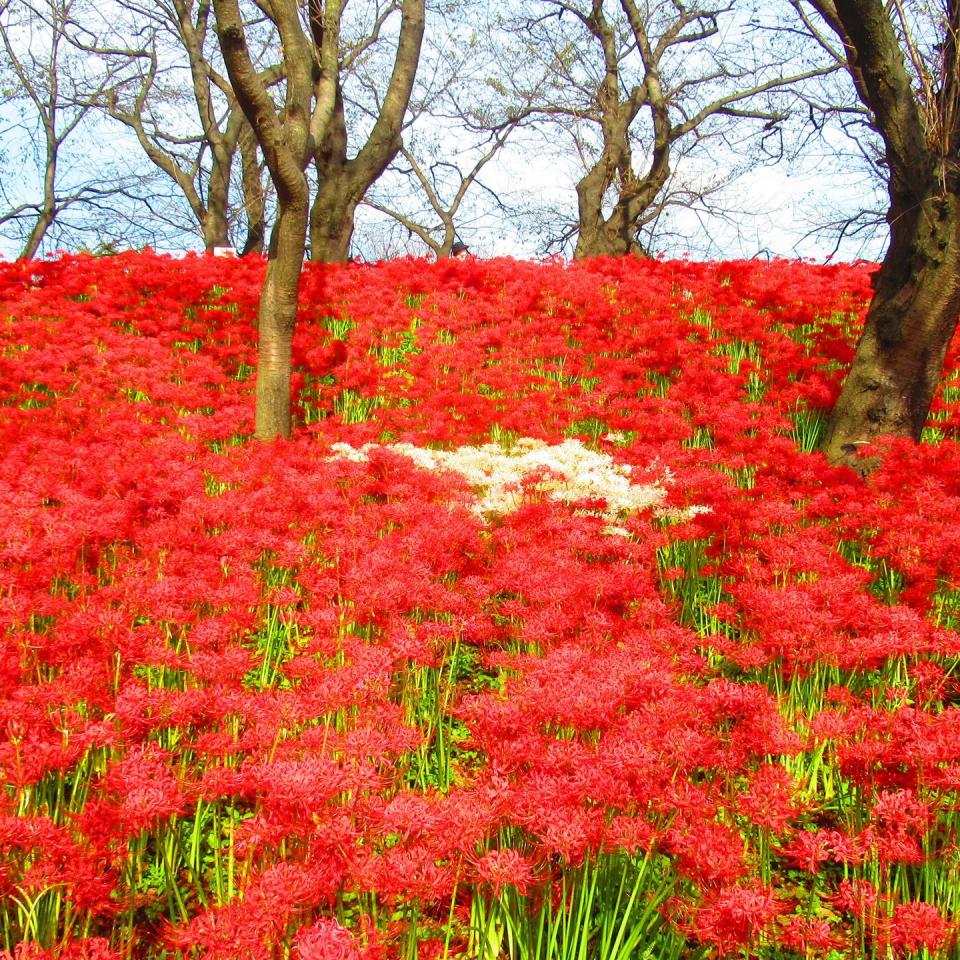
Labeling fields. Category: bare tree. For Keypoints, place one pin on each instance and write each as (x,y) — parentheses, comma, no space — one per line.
(342,180)
(173,38)
(635,85)
(54,92)
(287,137)
(902,58)
(444,185)
(697,211)
(445,181)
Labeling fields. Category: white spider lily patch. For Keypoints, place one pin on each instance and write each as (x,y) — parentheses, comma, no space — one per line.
(570,472)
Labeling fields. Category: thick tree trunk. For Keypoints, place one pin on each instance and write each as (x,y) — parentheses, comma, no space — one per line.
(613,237)
(342,184)
(908,328)
(277,318)
(286,146)
(331,220)
(916,299)
(599,236)
(331,214)
(607,241)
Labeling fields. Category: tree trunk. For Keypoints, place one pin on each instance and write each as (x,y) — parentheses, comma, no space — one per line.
(39,231)
(908,328)
(331,220)
(445,246)
(276,318)
(606,241)
(286,147)
(254,202)
(215,227)
(341,186)
(916,299)
(331,214)
(37,234)
(613,236)
(48,211)
(608,238)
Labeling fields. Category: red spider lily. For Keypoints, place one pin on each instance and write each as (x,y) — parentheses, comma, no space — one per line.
(502,868)
(810,849)
(770,801)
(809,936)
(734,917)
(325,940)
(87,948)
(282,684)
(917,926)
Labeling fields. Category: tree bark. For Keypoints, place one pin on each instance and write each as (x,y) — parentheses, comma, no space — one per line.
(39,231)
(287,144)
(48,210)
(216,229)
(48,106)
(916,302)
(616,235)
(340,188)
(613,236)
(909,324)
(222,144)
(254,201)
(331,220)
(276,319)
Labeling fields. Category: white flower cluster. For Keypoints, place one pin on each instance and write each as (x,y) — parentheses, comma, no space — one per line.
(571,472)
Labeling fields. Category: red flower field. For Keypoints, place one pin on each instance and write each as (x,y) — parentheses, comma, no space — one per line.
(547,636)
